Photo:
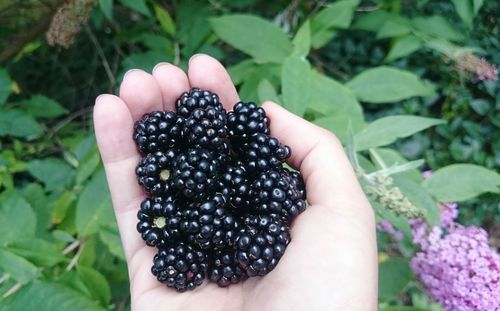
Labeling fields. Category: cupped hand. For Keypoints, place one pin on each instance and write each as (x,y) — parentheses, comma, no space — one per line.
(331,262)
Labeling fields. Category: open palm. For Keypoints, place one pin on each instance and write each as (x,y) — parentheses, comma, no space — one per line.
(330,264)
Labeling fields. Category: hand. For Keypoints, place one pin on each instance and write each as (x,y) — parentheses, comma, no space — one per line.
(331,263)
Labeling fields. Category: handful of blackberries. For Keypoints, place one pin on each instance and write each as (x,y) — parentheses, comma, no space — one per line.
(220,200)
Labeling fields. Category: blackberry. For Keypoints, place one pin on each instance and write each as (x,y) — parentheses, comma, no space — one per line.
(260,244)
(247,119)
(234,184)
(195,173)
(159,221)
(188,102)
(154,172)
(210,224)
(181,267)
(223,268)
(262,152)
(278,192)
(206,127)
(158,131)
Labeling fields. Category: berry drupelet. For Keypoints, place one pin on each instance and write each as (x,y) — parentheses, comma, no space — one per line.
(181,267)
(195,173)
(159,221)
(154,172)
(158,131)
(260,244)
(223,268)
(278,192)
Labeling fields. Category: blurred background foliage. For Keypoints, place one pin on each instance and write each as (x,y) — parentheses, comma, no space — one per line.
(406,85)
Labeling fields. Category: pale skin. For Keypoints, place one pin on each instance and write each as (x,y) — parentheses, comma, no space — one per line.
(331,263)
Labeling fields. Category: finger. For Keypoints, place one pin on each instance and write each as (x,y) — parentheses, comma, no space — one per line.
(140,91)
(207,73)
(172,82)
(318,154)
(113,128)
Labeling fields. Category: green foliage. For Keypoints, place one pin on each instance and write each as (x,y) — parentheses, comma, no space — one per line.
(384,76)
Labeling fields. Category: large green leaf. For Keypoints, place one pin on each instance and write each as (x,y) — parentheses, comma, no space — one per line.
(385,131)
(393,28)
(17,267)
(165,20)
(295,80)
(4,86)
(337,15)
(420,197)
(111,238)
(402,47)
(302,40)
(253,35)
(94,206)
(372,21)
(96,283)
(17,218)
(53,172)
(460,182)
(38,251)
(339,124)
(394,275)
(87,165)
(106,7)
(137,5)
(467,9)
(49,296)
(266,91)
(386,84)
(43,107)
(18,123)
(437,26)
(392,158)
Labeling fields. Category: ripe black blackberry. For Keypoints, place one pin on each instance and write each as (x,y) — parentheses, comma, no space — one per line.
(278,192)
(247,119)
(235,185)
(158,131)
(206,127)
(180,266)
(195,173)
(210,225)
(223,268)
(197,99)
(262,153)
(154,172)
(261,243)
(159,221)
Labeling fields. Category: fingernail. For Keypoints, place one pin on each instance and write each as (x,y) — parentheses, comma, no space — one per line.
(194,56)
(129,71)
(98,97)
(160,64)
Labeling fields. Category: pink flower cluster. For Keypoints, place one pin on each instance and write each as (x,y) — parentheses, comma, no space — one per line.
(385,226)
(480,67)
(456,264)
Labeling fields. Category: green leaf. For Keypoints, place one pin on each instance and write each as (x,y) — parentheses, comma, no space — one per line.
(93,208)
(253,35)
(56,174)
(295,79)
(61,205)
(385,131)
(38,251)
(437,26)
(337,15)
(17,218)
(386,84)
(339,124)
(49,296)
(467,9)
(96,283)
(302,40)
(165,20)
(402,47)
(394,275)
(107,8)
(266,91)
(111,238)
(420,197)
(34,193)
(137,5)
(18,123)
(17,267)
(399,222)
(394,27)
(372,21)
(87,165)
(461,182)
(4,86)
(43,107)
(145,61)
